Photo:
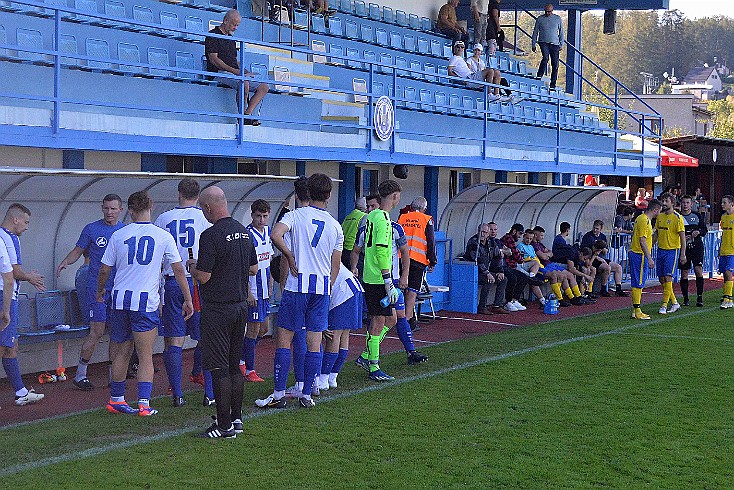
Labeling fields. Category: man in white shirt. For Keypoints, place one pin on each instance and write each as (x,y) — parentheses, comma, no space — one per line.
(459,68)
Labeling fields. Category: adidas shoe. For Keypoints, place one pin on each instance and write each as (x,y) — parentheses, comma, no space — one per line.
(198,379)
(640,316)
(146,410)
(237,425)
(307,402)
(293,392)
(674,307)
(209,402)
(216,432)
(84,384)
(178,401)
(663,310)
(379,375)
(416,357)
(363,363)
(253,377)
(121,407)
(271,402)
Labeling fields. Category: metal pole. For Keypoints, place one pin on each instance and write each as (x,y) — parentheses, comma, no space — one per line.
(57,72)
(484,130)
(481,222)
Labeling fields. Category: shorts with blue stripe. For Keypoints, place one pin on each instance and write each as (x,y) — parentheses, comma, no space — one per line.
(260,312)
(638,270)
(124,322)
(726,263)
(173,324)
(348,315)
(666,262)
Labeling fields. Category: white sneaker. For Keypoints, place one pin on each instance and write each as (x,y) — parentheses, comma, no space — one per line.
(315,390)
(323,385)
(726,304)
(674,307)
(518,306)
(332,383)
(30,397)
(663,310)
(510,307)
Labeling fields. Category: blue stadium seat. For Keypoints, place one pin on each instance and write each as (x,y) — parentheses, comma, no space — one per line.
(441,102)
(25,315)
(467,103)
(194,24)
(159,57)
(58,3)
(68,45)
(430,68)
(300,19)
(3,40)
(87,6)
(386,61)
(50,309)
(396,40)
(414,22)
(215,7)
(495,110)
(522,67)
(378,89)
(426,24)
(142,14)
(129,53)
(360,9)
(416,69)
(353,58)
(169,19)
(371,57)
(260,70)
(375,12)
(528,114)
(410,98)
(98,48)
(337,52)
(381,37)
(423,46)
(444,71)
(436,49)
(336,27)
(317,24)
(29,42)
(351,29)
(8,6)
(114,8)
(454,104)
(426,98)
(399,96)
(447,53)
(334,4)
(388,16)
(346,6)
(186,61)
(401,62)
(366,33)
(401,18)
(409,43)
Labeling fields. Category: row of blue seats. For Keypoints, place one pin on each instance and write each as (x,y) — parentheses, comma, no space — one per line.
(112,9)
(382,14)
(38,317)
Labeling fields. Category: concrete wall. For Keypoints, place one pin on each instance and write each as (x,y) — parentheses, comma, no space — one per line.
(676,109)
(17,156)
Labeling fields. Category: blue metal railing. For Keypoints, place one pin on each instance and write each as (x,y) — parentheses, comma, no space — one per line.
(481,112)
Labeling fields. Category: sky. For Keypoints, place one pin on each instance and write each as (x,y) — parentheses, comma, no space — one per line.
(694,9)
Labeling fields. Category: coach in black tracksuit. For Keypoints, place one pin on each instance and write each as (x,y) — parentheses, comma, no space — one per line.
(695,230)
(226,260)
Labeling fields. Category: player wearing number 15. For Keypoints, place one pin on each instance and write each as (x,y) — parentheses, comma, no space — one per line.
(138,251)
(316,241)
(185,223)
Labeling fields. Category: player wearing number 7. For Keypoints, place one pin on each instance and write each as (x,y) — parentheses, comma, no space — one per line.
(138,251)
(185,223)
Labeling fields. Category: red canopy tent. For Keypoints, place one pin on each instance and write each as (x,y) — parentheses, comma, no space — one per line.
(673,158)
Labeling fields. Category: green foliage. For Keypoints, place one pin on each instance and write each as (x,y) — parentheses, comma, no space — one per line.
(723,118)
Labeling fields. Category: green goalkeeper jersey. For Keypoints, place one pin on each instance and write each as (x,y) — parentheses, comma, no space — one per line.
(377,246)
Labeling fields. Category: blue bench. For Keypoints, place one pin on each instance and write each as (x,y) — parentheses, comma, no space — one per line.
(38,317)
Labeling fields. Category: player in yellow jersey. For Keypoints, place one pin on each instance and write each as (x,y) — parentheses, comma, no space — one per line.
(671,235)
(726,250)
(639,256)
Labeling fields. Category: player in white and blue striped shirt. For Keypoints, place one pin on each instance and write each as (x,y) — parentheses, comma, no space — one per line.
(138,251)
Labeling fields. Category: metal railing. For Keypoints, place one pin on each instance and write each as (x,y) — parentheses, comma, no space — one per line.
(483,113)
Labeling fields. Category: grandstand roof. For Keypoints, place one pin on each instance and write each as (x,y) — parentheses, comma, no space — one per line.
(589,4)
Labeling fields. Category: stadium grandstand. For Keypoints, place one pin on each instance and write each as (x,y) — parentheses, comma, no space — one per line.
(100,96)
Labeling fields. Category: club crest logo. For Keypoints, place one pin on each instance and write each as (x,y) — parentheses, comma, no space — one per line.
(384,118)
(101,242)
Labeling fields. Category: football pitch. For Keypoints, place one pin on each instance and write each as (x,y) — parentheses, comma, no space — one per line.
(598,400)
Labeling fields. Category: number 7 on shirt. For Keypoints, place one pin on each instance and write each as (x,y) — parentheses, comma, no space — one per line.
(319,230)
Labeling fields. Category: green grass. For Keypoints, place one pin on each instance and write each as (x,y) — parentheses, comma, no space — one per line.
(648,405)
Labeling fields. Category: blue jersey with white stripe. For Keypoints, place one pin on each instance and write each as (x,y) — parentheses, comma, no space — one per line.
(264,251)
(138,251)
(12,245)
(94,239)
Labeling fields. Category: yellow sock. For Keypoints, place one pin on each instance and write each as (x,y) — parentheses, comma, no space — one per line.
(569,293)
(636,295)
(671,293)
(666,294)
(556,288)
(728,286)
(576,291)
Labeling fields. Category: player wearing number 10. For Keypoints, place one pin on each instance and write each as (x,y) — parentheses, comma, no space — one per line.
(138,251)
(185,224)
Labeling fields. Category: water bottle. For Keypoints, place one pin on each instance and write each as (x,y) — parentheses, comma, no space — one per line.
(385,302)
(551,305)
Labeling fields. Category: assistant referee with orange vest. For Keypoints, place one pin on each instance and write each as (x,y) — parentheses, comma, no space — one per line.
(418,227)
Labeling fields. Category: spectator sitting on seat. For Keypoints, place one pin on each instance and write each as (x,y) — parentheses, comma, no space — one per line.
(530,262)
(221,56)
(488,257)
(603,265)
(459,68)
(641,199)
(447,24)
(558,278)
(475,62)
(585,265)
(567,256)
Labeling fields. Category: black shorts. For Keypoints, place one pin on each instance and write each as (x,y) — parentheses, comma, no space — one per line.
(222,329)
(415,276)
(373,294)
(596,263)
(694,258)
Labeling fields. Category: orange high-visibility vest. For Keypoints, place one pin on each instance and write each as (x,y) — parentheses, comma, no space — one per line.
(414,224)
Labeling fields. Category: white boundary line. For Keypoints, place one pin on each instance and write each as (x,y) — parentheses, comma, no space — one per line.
(354,334)
(477,320)
(682,337)
(95,451)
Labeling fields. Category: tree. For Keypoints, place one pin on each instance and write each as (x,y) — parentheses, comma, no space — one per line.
(723,118)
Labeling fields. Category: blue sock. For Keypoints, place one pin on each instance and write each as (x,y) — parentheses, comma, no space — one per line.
(311,365)
(173,359)
(208,385)
(281,366)
(196,368)
(405,334)
(12,369)
(327,361)
(248,352)
(144,390)
(339,362)
(117,391)
(299,353)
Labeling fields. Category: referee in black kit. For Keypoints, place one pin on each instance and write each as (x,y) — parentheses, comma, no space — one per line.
(226,259)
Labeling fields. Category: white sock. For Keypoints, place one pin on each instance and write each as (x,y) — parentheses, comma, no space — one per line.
(332,377)
(299,385)
(278,394)
(323,379)
(81,371)
(248,371)
(22,392)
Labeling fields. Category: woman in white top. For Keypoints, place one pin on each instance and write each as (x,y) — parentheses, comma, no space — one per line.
(475,62)
(459,68)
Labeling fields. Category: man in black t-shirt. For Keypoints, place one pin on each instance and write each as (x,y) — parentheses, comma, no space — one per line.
(226,260)
(221,56)
(493,27)
(695,230)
